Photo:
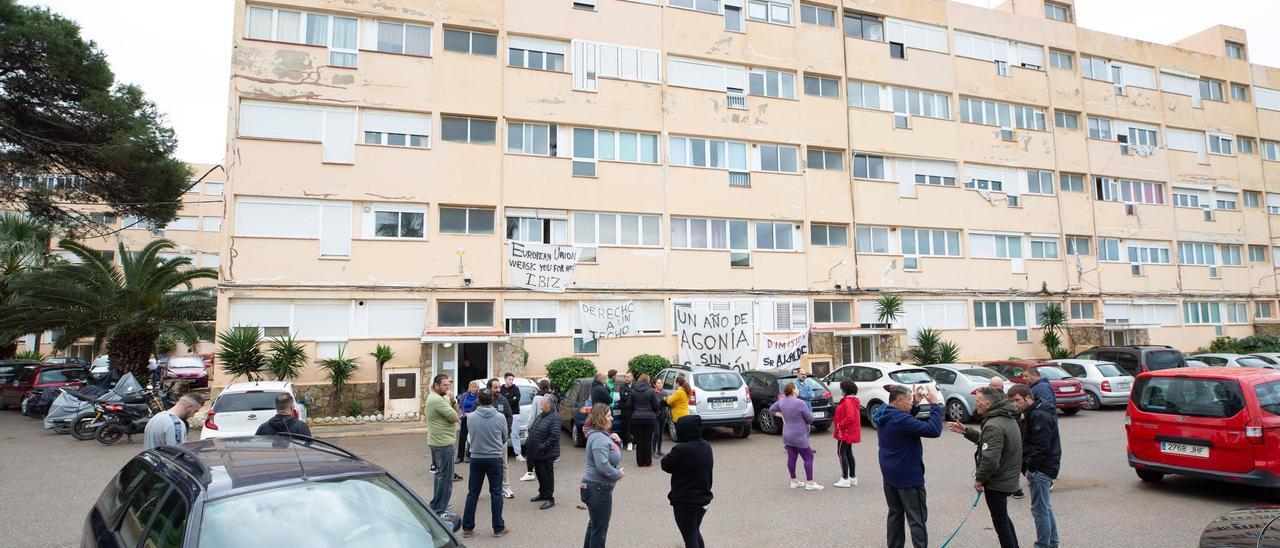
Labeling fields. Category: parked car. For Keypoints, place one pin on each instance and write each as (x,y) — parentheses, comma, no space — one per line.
(189,369)
(1196,363)
(1232,360)
(1220,423)
(38,377)
(1272,358)
(874,379)
(1254,527)
(571,403)
(67,360)
(244,406)
(765,386)
(1138,358)
(1068,390)
(9,369)
(260,491)
(207,359)
(1104,382)
(959,384)
(717,394)
(527,389)
(100,367)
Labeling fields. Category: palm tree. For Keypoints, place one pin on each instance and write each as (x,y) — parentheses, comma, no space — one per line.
(129,307)
(1051,320)
(24,245)
(381,355)
(240,352)
(339,370)
(288,356)
(927,348)
(888,308)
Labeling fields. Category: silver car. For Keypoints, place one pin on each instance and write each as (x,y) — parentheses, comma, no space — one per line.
(1232,360)
(1104,382)
(720,397)
(958,382)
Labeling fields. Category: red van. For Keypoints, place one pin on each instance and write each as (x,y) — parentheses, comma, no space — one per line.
(1219,423)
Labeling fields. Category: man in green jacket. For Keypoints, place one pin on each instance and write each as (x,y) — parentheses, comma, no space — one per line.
(998,458)
(442,423)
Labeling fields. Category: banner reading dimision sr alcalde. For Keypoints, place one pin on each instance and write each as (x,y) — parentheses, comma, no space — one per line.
(541,267)
(717,339)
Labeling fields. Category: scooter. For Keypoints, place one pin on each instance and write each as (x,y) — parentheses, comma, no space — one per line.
(126,418)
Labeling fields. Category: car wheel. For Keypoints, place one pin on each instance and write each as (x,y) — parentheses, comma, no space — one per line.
(871,412)
(765,419)
(1092,402)
(80,427)
(1071,411)
(742,431)
(3,405)
(671,429)
(26,406)
(1149,476)
(957,411)
(575,434)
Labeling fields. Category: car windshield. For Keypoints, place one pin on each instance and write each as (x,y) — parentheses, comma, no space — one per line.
(1053,373)
(717,382)
(63,375)
(186,363)
(1111,370)
(1190,396)
(257,400)
(911,376)
(1253,362)
(1163,359)
(372,511)
(982,375)
(809,381)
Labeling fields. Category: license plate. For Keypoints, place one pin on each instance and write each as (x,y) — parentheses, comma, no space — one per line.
(1066,389)
(1123,386)
(820,414)
(1184,449)
(723,405)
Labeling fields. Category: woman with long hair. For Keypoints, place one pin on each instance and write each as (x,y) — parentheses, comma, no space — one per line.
(604,456)
(643,407)
(679,399)
(847,431)
(796,419)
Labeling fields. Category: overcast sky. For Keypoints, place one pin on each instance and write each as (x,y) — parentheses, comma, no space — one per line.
(179,52)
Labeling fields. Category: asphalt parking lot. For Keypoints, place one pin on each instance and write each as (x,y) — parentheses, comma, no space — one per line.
(48,482)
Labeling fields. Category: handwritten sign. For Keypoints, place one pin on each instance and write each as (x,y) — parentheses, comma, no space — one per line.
(784,353)
(717,339)
(606,320)
(541,267)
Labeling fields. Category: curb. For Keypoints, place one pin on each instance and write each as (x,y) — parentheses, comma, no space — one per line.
(320,432)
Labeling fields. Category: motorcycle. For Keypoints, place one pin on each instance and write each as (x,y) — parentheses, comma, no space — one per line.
(126,418)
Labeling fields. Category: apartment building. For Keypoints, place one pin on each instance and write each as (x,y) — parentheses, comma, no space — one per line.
(197,233)
(788,160)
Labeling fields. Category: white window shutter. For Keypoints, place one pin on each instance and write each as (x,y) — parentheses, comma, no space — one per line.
(629,63)
(650,70)
(799,315)
(585,66)
(607,60)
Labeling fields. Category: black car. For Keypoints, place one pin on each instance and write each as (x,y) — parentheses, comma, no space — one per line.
(1137,359)
(766,386)
(571,416)
(259,491)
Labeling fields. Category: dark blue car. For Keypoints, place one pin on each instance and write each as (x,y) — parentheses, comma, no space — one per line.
(269,491)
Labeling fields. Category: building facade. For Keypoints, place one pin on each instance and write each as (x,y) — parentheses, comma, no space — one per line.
(791,160)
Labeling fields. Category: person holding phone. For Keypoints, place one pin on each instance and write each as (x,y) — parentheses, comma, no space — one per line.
(902,460)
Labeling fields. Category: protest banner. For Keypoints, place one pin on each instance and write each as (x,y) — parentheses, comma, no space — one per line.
(541,267)
(606,320)
(785,353)
(717,339)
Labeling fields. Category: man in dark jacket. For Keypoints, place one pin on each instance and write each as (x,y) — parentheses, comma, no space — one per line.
(691,465)
(998,458)
(902,460)
(1041,457)
(511,393)
(600,392)
(284,422)
(1040,387)
(502,405)
(543,448)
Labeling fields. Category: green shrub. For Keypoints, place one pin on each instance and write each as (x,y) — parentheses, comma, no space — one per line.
(563,371)
(165,345)
(240,352)
(355,408)
(34,355)
(647,364)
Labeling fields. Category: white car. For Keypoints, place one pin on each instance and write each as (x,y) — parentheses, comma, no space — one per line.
(527,389)
(1232,360)
(244,406)
(1272,358)
(1104,383)
(873,378)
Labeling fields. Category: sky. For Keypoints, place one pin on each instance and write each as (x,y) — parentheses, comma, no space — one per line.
(179,51)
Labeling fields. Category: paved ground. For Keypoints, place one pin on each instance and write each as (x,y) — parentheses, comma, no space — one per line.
(49,482)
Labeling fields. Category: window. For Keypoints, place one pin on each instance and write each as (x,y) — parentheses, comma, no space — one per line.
(1252,198)
(931,242)
(1062,59)
(468,130)
(872,239)
(1078,245)
(473,42)
(861,25)
(1263,309)
(594,60)
(731,234)
(1257,253)
(326,220)
(772,11)
(733,19)
(389,221)
(1066,120)
(1220,144)
(1044,248)
(141,508)
(1057,12)
(897,50)
(779,158)
(699,152)
(1196,253)
(297,122)
(984,184)
(1109,250)
(988,113)
(999,314)
(535,53)
(591,145)
(1143,136)
(532,317)
(709,6)
(1239,92)
(1226,201)
(1185,197)
(995,246)
(1039,181)
(399,129)
(1147,252)
(1235,50)
(211,189)
(464,314)
(212,224)
(832,312)
(817,15)
(866,166)
(530,326)
(1127,191)
(1210,89)
(864,95)
(616,229)
(1247,145)
(821,87)
(549,228)
(530,138)
(1083,310)
(771,83)
(816,158)
(1201,312)
(466,220)
(828,235)
(1028,117)
(921,103)
(336,33)
(776,236)
(404,38)
(184,224)
(1071,182)
(1230,255)
(1095,68)
(1100,128)
(1271,151)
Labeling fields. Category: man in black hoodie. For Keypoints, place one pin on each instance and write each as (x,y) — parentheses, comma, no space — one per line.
(284,421)
(1041,459)
(690,464)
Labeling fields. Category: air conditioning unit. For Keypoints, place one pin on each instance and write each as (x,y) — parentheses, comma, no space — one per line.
(1008,134)
(1135,269)
(1131,209)
(1208,214)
